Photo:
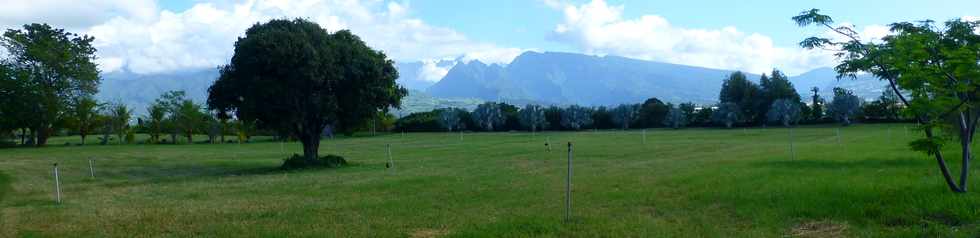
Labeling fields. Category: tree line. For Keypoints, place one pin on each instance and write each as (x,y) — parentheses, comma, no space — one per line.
(742,102)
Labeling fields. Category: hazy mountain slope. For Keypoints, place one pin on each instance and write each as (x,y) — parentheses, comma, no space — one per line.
(566,78)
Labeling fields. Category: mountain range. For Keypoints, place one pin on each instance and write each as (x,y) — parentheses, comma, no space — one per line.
(532,77)
(566,78)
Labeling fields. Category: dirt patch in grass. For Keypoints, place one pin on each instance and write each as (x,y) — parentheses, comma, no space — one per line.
(819,229)
(4,185)
(428,233)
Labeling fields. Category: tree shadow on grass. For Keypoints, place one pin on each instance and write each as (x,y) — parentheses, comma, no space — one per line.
(181,173)
(868,163)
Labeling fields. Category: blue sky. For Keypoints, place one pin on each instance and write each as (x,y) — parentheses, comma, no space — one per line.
(149,36)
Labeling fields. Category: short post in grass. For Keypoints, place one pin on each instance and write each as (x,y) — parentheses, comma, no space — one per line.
(391,162)
(91,168)
(568,186)
(838,137)
(57,184)
(792,150)
(547,143)
(644,136)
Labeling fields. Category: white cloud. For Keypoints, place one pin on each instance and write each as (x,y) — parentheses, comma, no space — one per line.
(598,28)
(72,14)
(134,35)
(432,72)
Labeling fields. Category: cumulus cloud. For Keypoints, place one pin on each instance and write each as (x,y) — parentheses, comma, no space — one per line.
(136,36)
(72,14)
(600,29)
(433,71)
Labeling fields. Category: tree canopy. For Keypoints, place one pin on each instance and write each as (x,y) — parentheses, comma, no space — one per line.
(935,64)
(294,75)
(47,70)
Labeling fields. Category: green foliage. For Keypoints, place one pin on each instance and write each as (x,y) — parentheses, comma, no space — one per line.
(299,162)
(844,107)
(47,70)
(676,118)
(784,111)
(727,114)
(84,116)
(489,115)
(652,112)
(576,117)
(532,117)
(294,75)
(745,94)
(420,121)
(626,114)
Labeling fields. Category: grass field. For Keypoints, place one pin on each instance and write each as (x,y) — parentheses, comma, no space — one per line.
(680,183)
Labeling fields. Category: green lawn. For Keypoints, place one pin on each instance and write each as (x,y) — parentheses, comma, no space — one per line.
(680,183)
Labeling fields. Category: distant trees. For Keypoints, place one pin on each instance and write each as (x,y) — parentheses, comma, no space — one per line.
(625,114)
(294,75)
(576,117)
(488,116)
(45,70)
(844,106)
(676,118)
(532,117)
(652,112)
(450,118)
(886,108)
(746,95)
(784,111)
(727,114)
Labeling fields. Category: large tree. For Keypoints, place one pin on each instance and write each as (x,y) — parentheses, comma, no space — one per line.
(57,68)
(937,65)
(784,111)
(296,76)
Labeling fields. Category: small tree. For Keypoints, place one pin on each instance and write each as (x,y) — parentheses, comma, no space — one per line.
(84,116)
(576,117)
(676,118)
(784,111)
(156,114)
(190,118)
(488,116)
(844,106)
(625,114)
(727,114)
(532,117)
(120,115)
(936,65)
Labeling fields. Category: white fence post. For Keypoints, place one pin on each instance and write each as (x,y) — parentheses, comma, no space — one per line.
(91,168)
(57,184)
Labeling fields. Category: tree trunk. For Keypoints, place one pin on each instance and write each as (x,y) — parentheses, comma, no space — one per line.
(311,146)
(23,136)
(42,136)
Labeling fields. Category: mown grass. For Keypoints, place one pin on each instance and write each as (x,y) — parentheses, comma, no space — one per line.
(680,183)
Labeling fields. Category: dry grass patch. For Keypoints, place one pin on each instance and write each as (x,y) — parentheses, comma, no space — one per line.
(820,229)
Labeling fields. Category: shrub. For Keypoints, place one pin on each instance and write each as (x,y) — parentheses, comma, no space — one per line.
(299,162)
